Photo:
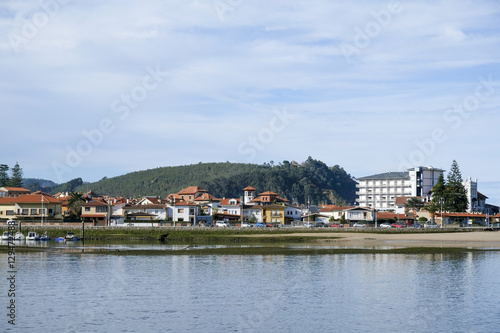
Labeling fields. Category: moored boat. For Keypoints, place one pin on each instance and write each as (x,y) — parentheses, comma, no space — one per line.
(44,237)
(19,236)
(32,236)
(6,236)
(71,236)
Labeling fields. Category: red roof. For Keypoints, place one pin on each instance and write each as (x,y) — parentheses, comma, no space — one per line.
(190,190)
(225,202)
(29,198)
(94,215)
(93,203)
(206,196)
(249,188)
(387,215)
(15,189)
(332,208)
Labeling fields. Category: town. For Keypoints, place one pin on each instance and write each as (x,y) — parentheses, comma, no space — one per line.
(393,199)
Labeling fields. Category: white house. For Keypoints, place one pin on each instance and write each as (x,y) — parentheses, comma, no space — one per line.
(182,211)
(292,213)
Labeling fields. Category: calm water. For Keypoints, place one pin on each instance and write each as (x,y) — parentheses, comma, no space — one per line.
(334,293)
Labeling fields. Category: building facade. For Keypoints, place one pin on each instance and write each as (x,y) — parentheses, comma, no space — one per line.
(380,191)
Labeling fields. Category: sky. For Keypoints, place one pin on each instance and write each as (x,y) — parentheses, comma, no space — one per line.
(97,89)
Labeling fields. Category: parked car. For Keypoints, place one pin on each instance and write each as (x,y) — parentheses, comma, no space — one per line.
(206,224)
(321,225)
(359,225)
(417,226)
(398,225)
(431,225)
(309,225)
(336,225)
(386,225)
(246,225)
(223,224)
(260,224)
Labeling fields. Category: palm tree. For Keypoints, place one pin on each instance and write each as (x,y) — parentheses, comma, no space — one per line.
(432,208)
(75,203)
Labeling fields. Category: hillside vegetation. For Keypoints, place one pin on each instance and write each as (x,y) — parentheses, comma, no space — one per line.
(312,180)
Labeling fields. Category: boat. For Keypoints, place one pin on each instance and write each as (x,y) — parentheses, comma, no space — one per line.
(60,239)
(6,236)
(44,237)
(19,236)
(32,236)
(70,236)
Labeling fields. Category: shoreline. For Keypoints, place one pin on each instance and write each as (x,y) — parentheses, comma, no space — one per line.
(313,244)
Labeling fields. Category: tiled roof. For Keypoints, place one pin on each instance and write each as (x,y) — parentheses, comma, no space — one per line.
(225,202)
(93,203)
(29,198)
(128,206)
(481,196)
(15,189)
(190,190)
(249,188)
(388,175)
(269,193)
(331,208)
(206,196)
(387,215)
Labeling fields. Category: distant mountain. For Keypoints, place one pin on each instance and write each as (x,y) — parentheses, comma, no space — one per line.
(312,180)
(35,184)
(49,186)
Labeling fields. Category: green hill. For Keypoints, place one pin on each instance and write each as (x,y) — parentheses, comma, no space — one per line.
(312,179)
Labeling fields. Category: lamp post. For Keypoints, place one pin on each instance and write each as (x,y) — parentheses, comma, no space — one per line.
(441,202)
(42,212)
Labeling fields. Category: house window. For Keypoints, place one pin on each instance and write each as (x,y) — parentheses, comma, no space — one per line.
(41,211)
(25,211)
(33,211)
(180,210)
(101,209)
(87,209)
(9,212)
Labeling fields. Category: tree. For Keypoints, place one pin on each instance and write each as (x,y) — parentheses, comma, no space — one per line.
(432,207)
(414,204)
(75,204)
(4,176)
(16,179)
(456,194)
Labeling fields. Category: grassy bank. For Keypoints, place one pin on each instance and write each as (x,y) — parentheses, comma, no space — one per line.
(197,234)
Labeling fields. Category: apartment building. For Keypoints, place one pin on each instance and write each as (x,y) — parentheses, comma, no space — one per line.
(380,191)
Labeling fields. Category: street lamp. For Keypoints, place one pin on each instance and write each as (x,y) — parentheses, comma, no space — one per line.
(441,202)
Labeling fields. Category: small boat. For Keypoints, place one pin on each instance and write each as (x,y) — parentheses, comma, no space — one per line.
(32,236)
(71,236)
(6,236)
(44,237)
(19,236)
(60,239)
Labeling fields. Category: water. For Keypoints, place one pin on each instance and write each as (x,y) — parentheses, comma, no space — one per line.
(330,293)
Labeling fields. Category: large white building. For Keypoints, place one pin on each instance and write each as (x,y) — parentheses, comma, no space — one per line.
(380,191)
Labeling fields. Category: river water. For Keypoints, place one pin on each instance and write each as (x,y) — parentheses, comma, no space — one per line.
(307,293)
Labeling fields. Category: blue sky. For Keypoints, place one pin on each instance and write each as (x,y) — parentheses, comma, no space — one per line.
(92,89)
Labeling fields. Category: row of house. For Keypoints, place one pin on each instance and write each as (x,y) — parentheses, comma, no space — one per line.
(195,206)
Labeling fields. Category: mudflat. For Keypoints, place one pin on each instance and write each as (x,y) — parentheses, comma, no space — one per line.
(478,239)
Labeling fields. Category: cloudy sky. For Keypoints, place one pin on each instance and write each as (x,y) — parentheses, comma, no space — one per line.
(101,88)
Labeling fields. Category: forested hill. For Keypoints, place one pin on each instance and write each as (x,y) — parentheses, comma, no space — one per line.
(297,182)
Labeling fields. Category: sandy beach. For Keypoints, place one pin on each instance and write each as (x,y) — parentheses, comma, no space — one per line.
(480,239)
